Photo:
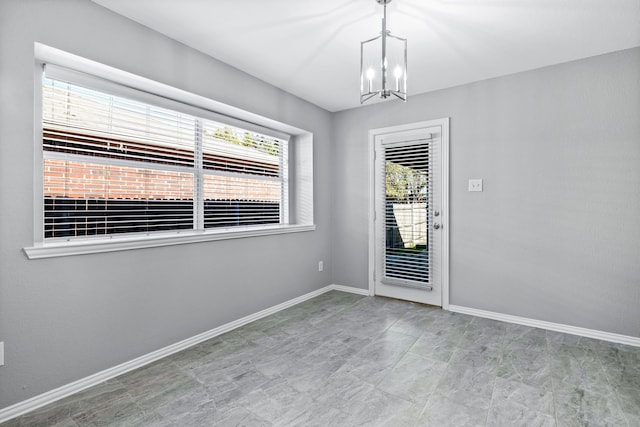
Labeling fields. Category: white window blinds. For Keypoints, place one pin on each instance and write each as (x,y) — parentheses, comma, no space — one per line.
(114,164)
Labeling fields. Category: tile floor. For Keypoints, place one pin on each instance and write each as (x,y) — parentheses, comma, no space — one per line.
(348,360)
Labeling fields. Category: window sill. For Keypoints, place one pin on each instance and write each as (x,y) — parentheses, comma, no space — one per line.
(123,243)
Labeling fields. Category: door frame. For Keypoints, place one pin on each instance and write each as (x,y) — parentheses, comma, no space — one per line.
(444,221)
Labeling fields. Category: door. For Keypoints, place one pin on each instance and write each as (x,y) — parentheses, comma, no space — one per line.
(409,213)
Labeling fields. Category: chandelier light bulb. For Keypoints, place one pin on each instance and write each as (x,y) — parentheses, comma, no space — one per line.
(370,73)
(398,74)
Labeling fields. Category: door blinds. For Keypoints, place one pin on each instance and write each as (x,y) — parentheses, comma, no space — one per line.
(114,164)
(409,176)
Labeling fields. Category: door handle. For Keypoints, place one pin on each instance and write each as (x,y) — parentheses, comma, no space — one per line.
(436,226)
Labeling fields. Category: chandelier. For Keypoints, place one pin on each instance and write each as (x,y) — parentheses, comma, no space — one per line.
(375,75)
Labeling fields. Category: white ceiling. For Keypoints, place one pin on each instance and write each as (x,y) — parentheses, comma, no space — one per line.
(311,48)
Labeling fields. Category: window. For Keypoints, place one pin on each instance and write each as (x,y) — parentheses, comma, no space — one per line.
(129,163)
(116,165)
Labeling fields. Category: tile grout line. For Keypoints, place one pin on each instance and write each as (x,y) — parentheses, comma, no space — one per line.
(553,381)
(493,388)
(615,389)
(443,375)
(398,361)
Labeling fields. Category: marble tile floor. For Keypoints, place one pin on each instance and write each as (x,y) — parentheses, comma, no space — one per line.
(346,360)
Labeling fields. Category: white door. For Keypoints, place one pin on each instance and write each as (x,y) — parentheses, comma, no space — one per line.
(410,215)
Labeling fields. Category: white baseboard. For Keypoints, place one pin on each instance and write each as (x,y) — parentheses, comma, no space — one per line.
(557,327)
(51,396)
(350,289)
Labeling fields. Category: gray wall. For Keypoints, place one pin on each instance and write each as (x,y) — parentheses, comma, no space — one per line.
(555,235)
(65,318)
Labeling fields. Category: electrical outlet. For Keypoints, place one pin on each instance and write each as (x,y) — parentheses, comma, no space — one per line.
(1,353)
(320,265)
(475,185)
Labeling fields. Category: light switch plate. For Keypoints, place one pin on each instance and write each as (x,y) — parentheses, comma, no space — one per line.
(475,185)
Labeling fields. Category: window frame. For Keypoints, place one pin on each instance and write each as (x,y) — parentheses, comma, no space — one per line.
(300,161)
